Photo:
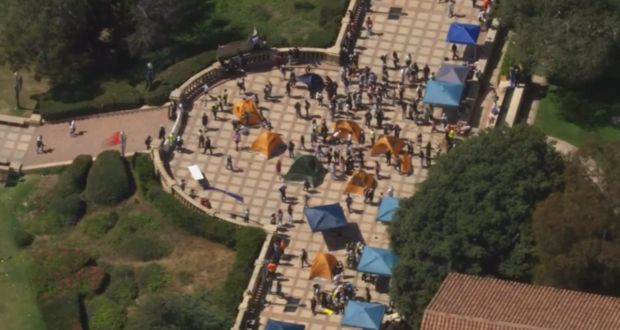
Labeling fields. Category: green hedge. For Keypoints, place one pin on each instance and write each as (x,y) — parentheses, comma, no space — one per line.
(96,225)
(72,180)
(72,101)
(153,278)
(71,208)
(108,182)
(123,288)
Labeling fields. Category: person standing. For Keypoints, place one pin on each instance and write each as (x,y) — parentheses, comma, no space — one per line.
(291,149)
(246,215)
(313,305)
(304,258)
(229,163)
(148,142)
(302,142)
(455,56)
(208,146)
(123,143)
(450,8)
(289,211)
(162,133)
(201,140)
(279,166)
(307,107)
(205,121)
(349,202)
(282,190)
(19,81)
(237,139)
(72,128)
(40,145)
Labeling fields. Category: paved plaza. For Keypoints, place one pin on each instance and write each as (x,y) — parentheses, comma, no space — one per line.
(421,31)
(14,142)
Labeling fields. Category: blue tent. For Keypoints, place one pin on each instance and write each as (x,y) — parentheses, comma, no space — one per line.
(387,208)
(463,34)
(279,325)
(443,93)
(325,217)
(377,261)
(313,81)
(363,315)
(452,73)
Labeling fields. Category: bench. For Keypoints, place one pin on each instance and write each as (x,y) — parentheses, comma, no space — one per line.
(514,106)
(12,120)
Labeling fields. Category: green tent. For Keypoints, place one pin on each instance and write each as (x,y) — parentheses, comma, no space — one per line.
(306,167)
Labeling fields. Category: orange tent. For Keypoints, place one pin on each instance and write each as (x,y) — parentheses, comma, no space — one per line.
(322,266)
(268,143)
(347,127)
(385,143)
(247,106)
(359,181)
(405,165)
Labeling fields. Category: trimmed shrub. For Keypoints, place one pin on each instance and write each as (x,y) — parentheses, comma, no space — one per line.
(71,208)
(145,248)
(123,288)
(104,314)
(98,224)
(108,182)
(61,312)
(47,223)
(73,179)
(144,172)
(22,238)
(153,278)
(88,280)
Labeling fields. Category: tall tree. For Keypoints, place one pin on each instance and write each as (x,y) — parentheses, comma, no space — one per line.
(473,214)
(577,230)
(61,39)
(573,42)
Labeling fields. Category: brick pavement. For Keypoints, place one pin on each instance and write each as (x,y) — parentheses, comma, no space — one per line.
(420,31)
(14,142)
(95,131)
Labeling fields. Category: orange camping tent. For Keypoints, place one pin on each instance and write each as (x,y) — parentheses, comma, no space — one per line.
(322,266)
(385,143)
(268,143)
(247,106)
(346,127)
(359,181)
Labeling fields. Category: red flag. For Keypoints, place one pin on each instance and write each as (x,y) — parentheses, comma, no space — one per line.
(114,139)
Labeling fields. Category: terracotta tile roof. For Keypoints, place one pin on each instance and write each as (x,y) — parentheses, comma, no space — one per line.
(465,302)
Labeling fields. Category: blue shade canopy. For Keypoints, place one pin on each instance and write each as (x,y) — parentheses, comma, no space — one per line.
(443,93)
(313,81)
(377,261)
(279,325)
(452,73)
(387,208)
(464,34)
(363,315)
(325,217)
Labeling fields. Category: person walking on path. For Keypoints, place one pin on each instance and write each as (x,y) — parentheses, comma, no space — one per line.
(123,143)
(237,138)
(229,163)
(205,121)
(72,128)
(289,211)
(455,56)
(148,142)
(349,201)
(246,215)
(279,166)
(302,142)
(40,145)
(282,190)
(162,133)
(291,149)
(279,218)
(304,258)
(377,170)
(298,110)
(307,107)
(241,85)
(201,140)
(208,146)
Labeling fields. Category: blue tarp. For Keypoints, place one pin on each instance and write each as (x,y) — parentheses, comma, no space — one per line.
(363,315)
(443,93)
(463,34)
(313,81)
(279,325)
(452,73)
(377,261)
(387,208)
(325,217)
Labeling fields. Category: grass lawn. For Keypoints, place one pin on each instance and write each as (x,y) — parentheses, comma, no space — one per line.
(18,306)
(552,121)
(30,87)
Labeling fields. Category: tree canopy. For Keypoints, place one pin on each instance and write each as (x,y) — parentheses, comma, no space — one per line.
(577,229)
(573,42)
(473,214)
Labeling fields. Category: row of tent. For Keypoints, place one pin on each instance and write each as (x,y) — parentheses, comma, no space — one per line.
(447,88)
(359,314)
(373,261)
(331,216)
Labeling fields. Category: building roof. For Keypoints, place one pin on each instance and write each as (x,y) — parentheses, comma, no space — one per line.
(473,302)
